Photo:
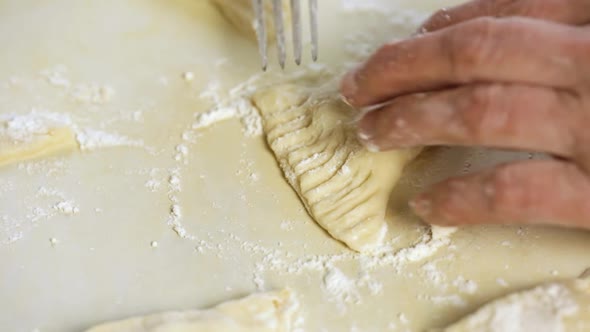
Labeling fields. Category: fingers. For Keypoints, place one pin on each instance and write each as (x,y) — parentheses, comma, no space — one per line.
(563,11)
(493,115)
(534,192)
(480,50)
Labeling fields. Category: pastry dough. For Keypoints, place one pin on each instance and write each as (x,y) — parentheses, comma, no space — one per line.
(32,140)
(241,14)
(343,186)
(553,307)
(266,312)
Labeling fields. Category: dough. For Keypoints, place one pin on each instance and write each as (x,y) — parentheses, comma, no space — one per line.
(23,138)
(343,186)
(553,307)
(266,312)
(240,13)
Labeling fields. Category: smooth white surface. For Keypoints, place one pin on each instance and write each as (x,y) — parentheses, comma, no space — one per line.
(102,265)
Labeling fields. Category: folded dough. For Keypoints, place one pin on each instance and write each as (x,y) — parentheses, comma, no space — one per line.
(552,307)
(240,13)
(266,312)
(343,186)
(23,138)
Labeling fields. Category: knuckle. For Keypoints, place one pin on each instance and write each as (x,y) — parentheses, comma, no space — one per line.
(471,45)
(499,190)
(514,7)
(480,114)
(506,192)
(440,18)
(581,52)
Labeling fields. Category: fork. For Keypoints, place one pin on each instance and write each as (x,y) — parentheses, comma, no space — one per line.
(279,26)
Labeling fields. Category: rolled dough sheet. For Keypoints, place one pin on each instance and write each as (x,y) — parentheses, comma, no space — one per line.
(266,312)
(552,307)
(22,140)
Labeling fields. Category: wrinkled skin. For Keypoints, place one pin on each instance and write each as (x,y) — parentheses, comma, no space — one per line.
(497,73)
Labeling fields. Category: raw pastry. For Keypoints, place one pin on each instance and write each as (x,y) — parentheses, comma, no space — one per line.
(343,186)
(23,138)
(553,307)
(266,312)
(241,14)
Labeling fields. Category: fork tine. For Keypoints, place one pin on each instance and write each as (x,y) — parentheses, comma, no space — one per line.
(313,14)
(261,32)
(296,22)
(280,31)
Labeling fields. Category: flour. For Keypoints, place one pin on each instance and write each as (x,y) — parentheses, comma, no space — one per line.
(175,210)
(10,229)
(541,309)
(93,93)
(452,299)
(236,103)
(153,185)
(188,76)
(465,286)
(67,208)
(56,76)
(25,127)
(181,153)
(241,108)
(258,282)
(339,287)
(90,139)
(87,93)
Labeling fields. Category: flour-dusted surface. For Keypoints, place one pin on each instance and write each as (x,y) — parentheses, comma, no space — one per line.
(552,307)
(192,210)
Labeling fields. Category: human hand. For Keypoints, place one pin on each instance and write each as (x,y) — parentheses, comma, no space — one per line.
(498,73)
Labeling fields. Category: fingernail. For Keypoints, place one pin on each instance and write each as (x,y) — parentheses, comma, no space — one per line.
(366,133)
(422,205)
(349,87)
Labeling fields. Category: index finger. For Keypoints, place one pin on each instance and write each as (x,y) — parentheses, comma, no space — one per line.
(511,50)
(563,11)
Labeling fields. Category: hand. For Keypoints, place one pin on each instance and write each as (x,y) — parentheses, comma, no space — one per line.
(498,73)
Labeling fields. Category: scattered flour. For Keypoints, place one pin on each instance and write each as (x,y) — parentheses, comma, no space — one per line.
(88,93)
(465,286)
(241,108)
(90,139)
(66,208)
(339,287)
(236,102)
(540,309)
(175,210)
(188,76)
(24,127)
(93,93)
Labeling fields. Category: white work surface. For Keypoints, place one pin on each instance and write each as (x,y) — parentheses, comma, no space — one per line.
(246,230)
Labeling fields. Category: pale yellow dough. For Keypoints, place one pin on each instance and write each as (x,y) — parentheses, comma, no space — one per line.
(265,312)
(241,14)
(552,307)
(39,142)
(344,187)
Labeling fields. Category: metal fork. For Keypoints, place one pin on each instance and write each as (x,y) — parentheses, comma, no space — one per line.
(280,30)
